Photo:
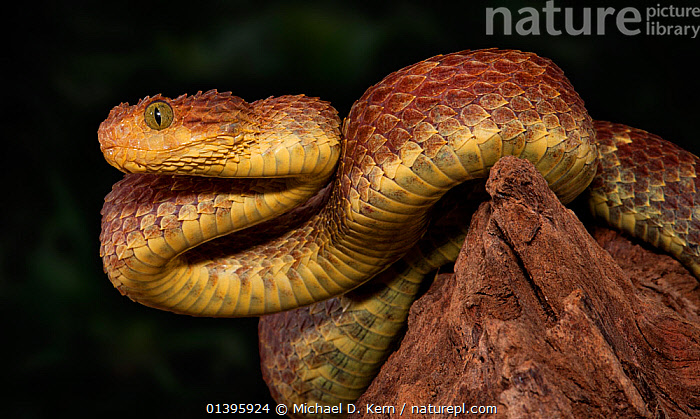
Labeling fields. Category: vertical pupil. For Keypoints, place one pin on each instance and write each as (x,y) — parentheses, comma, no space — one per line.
(157,116)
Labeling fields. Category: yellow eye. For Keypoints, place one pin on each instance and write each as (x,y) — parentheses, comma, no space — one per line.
(158,115)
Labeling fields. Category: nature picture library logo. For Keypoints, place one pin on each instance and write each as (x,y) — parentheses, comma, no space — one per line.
(658,20)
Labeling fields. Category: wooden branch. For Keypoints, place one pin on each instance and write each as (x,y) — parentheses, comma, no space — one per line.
(540,321)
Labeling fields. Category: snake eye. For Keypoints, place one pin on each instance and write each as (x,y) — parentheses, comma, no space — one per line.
(158,115)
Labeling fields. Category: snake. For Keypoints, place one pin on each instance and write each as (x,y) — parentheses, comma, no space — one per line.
(328,229)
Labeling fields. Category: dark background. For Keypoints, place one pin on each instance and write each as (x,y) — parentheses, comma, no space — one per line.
(72,344)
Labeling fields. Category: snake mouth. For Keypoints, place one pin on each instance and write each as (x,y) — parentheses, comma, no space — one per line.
(127,160)
(132,149)
(140,161)
(133,167)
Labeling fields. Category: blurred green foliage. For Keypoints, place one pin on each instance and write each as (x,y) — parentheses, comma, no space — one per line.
(72,343)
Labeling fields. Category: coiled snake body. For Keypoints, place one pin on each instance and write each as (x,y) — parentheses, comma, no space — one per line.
(166,237)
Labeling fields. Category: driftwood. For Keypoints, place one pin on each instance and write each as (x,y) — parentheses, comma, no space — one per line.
(540,321)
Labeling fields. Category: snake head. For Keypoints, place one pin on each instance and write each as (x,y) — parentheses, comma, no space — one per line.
(220,135)
(194,135)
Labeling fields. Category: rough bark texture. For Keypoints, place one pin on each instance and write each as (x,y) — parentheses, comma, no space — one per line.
(540,321)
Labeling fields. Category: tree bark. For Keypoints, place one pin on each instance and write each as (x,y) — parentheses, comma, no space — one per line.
(539,320)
